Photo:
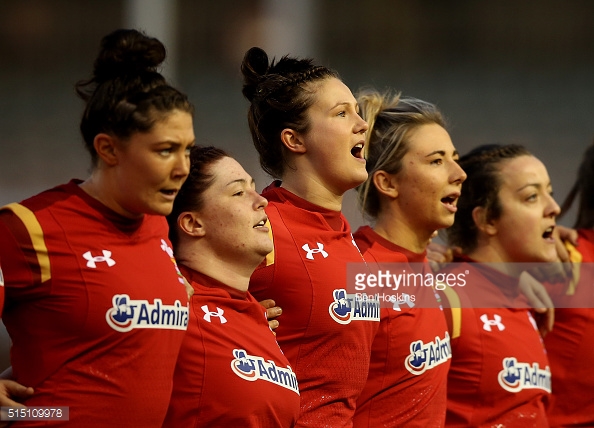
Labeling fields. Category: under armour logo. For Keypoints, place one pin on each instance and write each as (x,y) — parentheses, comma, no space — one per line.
(92,261)
(496,321)
(218,314)
(403,299)
(311,252)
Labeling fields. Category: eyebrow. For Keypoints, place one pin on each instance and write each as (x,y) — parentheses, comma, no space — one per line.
(344,103)
(442,153)
(537,185)
(242,181)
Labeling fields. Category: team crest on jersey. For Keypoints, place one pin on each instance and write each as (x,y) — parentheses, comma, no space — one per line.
(353,307)
(127,314)
(165,247)
(425,356)
(517,376)
(253,368)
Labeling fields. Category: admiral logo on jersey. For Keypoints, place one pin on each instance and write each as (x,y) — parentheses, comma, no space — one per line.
(127,314)
(253,368)
(517,376)
(353,307)
(425,356)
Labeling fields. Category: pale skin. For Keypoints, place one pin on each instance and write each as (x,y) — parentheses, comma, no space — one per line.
(228,238)
(527,205)
(327,160)
(422,196)
(142,175)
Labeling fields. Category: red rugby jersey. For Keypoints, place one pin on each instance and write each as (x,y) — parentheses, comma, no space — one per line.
(400,392)
(231,371)
(95,307)
(324,331)
(571,345)
(499,373)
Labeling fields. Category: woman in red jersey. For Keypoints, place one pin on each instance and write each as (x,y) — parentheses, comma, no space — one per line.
(230,371)
(499,373)
(95,305)
(572,338)
(306,127)
(412,189)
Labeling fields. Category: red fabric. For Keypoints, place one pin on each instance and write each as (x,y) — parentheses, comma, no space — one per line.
(64,329)
(330,358)
(207,391)
(494,342)
(393,395)
(571,347)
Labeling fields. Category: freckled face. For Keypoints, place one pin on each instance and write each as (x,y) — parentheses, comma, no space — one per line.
(430,181)
(233,214)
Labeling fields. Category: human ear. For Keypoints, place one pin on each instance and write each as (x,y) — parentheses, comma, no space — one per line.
(191,224)
(479,216)
(105,146)
(292,141)
(385,183)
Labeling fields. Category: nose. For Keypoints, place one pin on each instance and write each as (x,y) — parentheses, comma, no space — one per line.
(260,202)
(182,165)
(552,208)
(362,126)
(458,173)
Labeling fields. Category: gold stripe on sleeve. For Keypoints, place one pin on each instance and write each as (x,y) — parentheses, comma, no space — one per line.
(456,309)
(36,235)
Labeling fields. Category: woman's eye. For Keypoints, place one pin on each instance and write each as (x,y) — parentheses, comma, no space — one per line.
(342,113)
(437,161)
(240,193)
(532,197)
(166,152)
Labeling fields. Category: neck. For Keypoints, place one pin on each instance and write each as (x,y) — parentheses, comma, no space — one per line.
(99,186)
(310,188)
(391,227)
(496,259)
(233,275)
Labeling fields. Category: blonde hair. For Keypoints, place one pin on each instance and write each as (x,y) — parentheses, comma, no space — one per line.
(391,118)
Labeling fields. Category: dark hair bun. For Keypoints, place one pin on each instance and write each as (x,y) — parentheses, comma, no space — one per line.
(255,65)
(127,52)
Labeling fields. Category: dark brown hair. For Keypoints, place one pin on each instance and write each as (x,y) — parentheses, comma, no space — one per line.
(279,94)
(126,93)
(482,166)
(199,180)
(584,188)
